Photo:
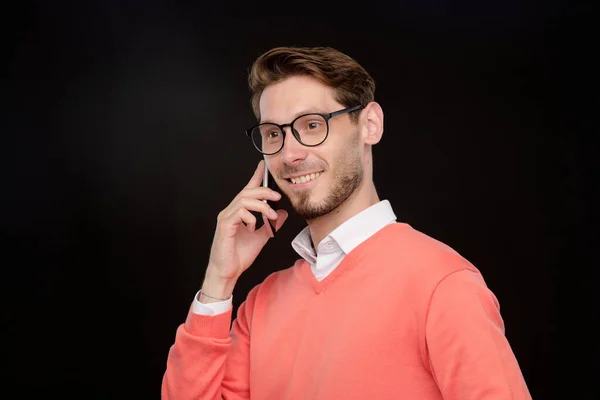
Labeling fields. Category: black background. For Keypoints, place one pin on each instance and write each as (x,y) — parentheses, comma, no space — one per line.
(123,138)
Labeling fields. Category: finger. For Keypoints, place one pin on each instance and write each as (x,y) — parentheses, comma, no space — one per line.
(261,192)
(266,229)
(241,216)
(282,216)
(228,223)
(256,206)
(257,178)
(267,224)
(249,203)
(247,218)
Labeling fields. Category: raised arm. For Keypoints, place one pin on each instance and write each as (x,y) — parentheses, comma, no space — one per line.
(208,359)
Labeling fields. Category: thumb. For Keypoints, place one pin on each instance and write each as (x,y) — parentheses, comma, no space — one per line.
(282,216)
(265,230)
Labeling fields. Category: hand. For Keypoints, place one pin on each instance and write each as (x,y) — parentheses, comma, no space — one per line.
(237,242)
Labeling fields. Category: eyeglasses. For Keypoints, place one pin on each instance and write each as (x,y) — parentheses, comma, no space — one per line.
(309,129)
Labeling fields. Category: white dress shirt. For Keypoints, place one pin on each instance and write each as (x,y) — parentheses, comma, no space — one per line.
(330,252)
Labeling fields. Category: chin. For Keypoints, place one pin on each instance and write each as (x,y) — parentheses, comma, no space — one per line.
(327,193)
(310,208)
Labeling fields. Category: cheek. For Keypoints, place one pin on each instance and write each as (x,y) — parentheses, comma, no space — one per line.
(274,165)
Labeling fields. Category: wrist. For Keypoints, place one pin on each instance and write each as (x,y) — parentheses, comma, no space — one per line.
(216,289)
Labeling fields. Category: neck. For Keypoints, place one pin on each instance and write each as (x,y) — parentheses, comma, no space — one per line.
(357,202)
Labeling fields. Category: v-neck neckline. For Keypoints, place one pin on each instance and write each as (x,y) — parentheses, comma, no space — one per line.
(347,263)
(319,286)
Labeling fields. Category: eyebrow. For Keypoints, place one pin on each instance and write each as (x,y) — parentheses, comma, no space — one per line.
(311,110)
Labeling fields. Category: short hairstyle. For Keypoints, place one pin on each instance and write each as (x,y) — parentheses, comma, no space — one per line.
(351,83)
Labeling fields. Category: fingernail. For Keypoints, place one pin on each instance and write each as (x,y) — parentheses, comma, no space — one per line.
(273,213)
(276,195)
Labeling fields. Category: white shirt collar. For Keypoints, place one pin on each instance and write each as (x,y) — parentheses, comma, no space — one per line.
(351,233)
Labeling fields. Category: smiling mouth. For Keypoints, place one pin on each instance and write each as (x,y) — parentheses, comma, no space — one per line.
(305,178)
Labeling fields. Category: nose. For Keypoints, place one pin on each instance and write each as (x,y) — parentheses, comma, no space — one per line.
(293,151)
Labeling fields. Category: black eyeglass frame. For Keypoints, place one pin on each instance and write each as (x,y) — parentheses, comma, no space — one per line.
(326,117)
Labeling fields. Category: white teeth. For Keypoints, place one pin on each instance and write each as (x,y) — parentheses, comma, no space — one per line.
(305,178)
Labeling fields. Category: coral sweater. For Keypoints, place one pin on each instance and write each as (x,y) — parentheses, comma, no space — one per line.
(402,317)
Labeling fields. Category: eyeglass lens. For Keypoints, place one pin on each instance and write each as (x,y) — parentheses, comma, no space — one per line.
(311,130)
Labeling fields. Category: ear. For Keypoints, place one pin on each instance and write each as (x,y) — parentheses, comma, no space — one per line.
(373,122)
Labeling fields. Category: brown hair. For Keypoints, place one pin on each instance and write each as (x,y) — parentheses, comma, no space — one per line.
(352,84)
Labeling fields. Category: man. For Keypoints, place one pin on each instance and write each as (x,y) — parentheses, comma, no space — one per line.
(373,309)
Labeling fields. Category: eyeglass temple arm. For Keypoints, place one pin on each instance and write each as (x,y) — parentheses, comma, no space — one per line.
(346,110)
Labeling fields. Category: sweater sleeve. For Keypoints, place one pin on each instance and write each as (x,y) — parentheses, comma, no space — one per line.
(208,359)
(211,308)
(469,355)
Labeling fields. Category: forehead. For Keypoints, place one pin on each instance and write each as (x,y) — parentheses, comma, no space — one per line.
(282,101)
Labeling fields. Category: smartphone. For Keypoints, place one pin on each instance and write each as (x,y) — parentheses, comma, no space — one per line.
(270,183)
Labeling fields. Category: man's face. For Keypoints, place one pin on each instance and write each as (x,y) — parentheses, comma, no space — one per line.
(333,170)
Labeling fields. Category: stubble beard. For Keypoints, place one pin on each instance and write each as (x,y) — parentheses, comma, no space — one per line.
(345,182)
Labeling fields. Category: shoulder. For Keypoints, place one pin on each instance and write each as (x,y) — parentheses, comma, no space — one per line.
(284,275)
(414,251)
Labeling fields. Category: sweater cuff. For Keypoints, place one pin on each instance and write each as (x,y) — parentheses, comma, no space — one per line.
(216,326)
(211,308)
